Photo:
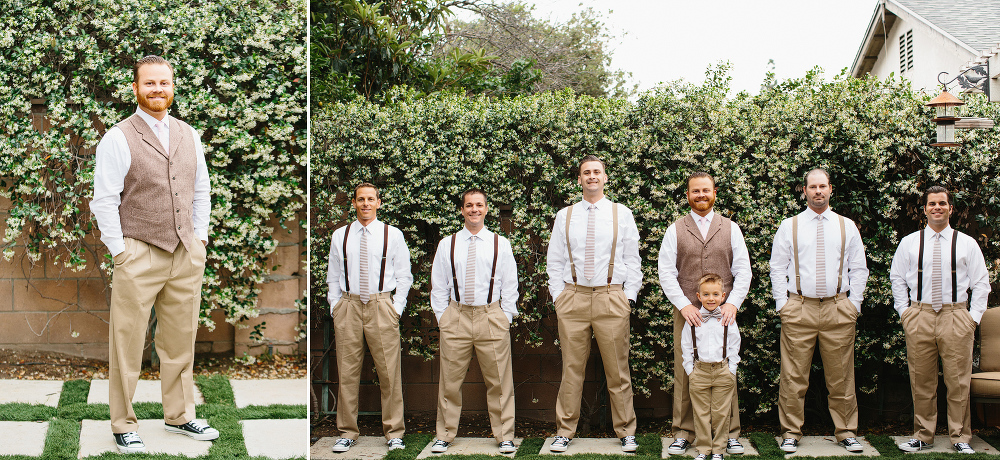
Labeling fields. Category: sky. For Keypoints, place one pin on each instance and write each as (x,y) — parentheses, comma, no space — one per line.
(666,40)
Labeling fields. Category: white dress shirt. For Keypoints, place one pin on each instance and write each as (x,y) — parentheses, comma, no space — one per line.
(397,267)
(627,262)
(740,268)
(710,342)
(504,286)
(113,162)
(971,272)
(855,274)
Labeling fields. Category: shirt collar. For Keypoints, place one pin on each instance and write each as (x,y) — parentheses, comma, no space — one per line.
(710,216)
(150,120)
(946,233)
(372,226)
(601,204)
(810,214)
(464,233)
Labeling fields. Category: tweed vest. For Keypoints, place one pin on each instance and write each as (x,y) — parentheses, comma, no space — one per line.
(697,257)
(158,198)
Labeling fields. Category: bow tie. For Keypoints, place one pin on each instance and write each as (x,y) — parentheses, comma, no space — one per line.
(717,314)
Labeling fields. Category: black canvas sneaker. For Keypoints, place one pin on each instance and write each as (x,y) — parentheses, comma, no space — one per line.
(194,430)
(629,444)
(789,445)
(678,447)
(914,445)
(559,444)
(733,446)
(129,443)
(440,446)
(852,445)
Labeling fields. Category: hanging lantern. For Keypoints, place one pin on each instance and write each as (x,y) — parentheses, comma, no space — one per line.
(946,107)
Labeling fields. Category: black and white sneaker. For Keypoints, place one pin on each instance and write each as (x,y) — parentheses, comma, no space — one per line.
(396,443)
(678,447)
(733,446)
(507,447)
(559,444)
(852,445)
(789,445)
(717,457)
(194,430)
(129,443)
(914,445)
(439,446)
(629,444)
(964,448)
(343,445)
(701,457)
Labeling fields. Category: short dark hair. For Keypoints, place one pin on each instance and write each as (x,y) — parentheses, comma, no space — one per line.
(367,185)
(710,278)
(588,158)
(472,191)
(699,175)
(805,178)
(151,59)
(936,189)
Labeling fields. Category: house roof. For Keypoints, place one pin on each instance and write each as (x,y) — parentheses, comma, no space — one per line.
(974,26)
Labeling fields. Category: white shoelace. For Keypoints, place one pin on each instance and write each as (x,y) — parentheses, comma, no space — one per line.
(131,437)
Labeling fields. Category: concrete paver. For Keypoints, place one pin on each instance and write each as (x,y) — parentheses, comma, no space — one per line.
(691,452)
(276,438)
(826,446)
(30,391)
(268,392)
(606,446)
(96,438)
(145,391)
(367,448)
(23,438)
(470,446)
(943,444)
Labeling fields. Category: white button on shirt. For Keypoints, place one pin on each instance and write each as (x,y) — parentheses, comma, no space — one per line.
(114,158)
(710,342)
(855,274)
(397,274)
(971,271)
(627,262)
(504,286)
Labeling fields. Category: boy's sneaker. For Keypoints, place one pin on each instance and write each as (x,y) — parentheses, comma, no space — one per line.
(559,444)
(733,446)
(701,457)
(852,445)
(716,456)
(678,447)
(964,448)
(129,443)
(439,446)
(789,445)
(343,445)
(507,447)
(396,443)
(914,445)
(194,430)
(629,444)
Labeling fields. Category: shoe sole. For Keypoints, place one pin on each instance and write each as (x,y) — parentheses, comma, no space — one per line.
(790,450)
(629,449)
(855,449)
(340,450)
(195,436)
(673,451)
(558,449)
(736,451)
(508,450)
(400,447)
(130,450)
(911,449)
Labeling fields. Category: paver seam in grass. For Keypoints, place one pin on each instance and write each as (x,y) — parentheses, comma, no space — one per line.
(415,443)
(650,444)
(23,412)
(765,444)
(216,389)
(74,392)
(276,411)
(529,446)
(884,444)
(62,441)
(230,443)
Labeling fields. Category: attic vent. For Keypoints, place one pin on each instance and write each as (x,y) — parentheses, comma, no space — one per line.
(906,51)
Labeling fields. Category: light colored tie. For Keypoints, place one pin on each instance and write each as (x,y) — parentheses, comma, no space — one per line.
(703,224)
(470,272)
(588,266)
(161,134)
(936,289)
(364,266)
(820,258)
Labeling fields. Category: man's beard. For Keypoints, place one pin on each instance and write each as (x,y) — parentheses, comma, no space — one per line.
(154,106)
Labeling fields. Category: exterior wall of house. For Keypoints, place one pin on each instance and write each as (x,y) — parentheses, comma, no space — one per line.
(933,54)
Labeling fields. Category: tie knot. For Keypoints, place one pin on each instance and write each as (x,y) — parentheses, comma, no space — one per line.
(592,207)
(938,236)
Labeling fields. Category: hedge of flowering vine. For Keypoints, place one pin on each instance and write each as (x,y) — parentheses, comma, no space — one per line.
(240,77)
(872,135)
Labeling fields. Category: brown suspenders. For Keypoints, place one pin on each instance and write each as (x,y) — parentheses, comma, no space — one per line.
(954,267)
(493,272)
(795,252)
(725,343)
(385,250)
(614,241)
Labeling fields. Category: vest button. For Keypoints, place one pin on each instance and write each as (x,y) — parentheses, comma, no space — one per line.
(178,210)
(176,194)
(174,178)
(178,227)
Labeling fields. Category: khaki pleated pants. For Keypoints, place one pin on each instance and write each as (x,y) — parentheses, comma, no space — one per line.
(805,321)
(377,324)
(145,276)
(602,313)
(713,393)
(485,330)
(683,423)
(948,334)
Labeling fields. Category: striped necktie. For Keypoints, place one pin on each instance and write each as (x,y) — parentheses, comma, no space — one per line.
(820,258)
(470,272)
(364,267)
(937,295)
(588,266)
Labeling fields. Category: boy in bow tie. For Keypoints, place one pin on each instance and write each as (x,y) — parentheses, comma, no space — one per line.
(711,353)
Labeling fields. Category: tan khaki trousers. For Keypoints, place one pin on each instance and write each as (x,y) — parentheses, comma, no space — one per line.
(713,392)
(683,423)
(145,276)
(377,324)
(947,334)
(831,323)
(602,313)
(486,330)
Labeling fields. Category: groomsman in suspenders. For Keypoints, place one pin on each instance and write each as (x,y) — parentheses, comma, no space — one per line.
(368,260)
(931,274)
(818,276)
(474,297)
(594,278)
(697,244)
